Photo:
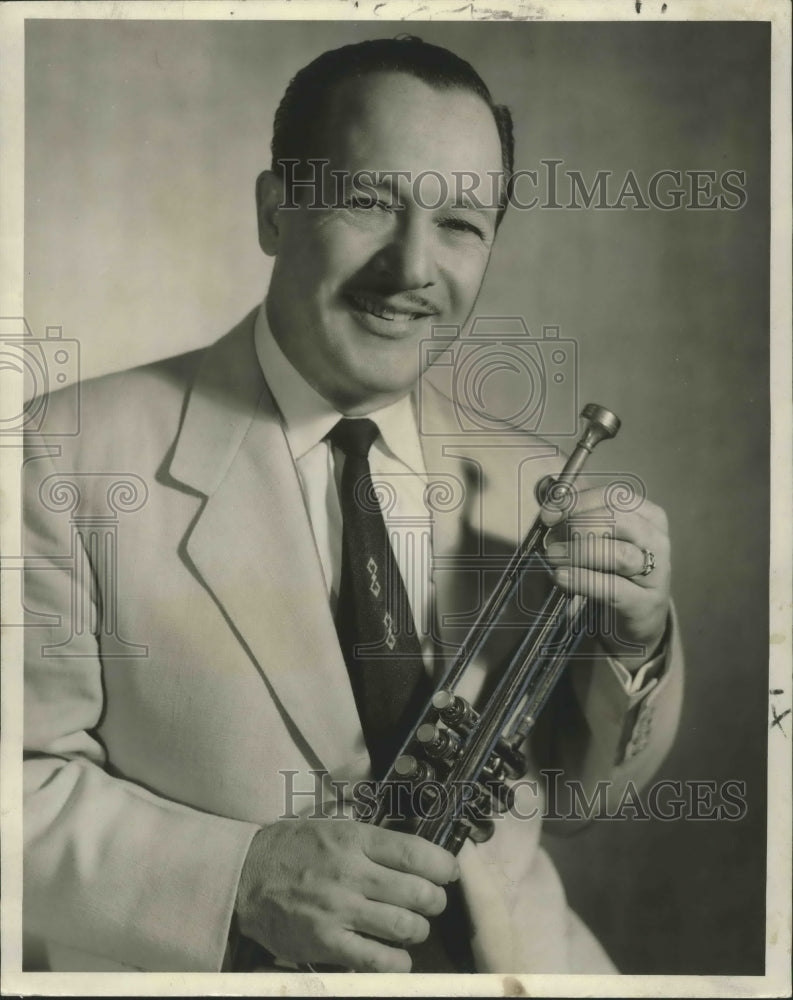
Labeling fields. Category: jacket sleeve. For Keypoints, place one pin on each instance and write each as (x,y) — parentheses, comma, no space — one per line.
(109,868)
(594,729)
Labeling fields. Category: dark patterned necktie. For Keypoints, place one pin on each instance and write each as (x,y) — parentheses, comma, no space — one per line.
(383,655)
(373,618)
(387,673)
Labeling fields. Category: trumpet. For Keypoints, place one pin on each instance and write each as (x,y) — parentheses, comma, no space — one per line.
(457,759)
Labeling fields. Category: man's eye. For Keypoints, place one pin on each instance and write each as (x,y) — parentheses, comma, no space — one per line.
(462,226)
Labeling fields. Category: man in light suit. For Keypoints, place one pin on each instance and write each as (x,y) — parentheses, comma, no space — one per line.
(184,560)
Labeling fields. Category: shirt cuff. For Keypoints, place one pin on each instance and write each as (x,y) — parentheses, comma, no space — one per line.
(644,679)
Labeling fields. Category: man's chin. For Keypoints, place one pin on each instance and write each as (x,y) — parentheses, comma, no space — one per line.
(376,387)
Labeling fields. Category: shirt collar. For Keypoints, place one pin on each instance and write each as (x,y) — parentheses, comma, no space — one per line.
(308,417)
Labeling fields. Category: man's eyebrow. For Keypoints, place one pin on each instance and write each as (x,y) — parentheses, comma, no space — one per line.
(397,184)
(367,180)
(465,202)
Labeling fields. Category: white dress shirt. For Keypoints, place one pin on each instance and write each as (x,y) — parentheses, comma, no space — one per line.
(397,468)
(396,462)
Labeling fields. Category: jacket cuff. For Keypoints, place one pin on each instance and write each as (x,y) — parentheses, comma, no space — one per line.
(618,705)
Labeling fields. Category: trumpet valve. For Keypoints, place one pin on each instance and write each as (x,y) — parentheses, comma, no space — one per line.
(409,768)
(454,710)
(442,744)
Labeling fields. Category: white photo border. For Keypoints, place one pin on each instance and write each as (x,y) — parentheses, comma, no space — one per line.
(776,981)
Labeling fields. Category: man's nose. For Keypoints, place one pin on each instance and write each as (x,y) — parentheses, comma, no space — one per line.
(409,256)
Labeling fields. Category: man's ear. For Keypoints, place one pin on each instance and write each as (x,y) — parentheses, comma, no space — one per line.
(269,195)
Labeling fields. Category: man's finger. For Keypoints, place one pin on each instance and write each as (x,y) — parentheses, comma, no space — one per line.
(390,923)
(558,506)
(406,852)
(606,555)
(411,892)
(606,588)
(631,527)
(360,954)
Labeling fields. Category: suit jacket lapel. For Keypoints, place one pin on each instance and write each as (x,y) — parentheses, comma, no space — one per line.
(253,546)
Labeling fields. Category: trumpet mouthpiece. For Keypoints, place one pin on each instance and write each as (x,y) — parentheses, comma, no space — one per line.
(601,420)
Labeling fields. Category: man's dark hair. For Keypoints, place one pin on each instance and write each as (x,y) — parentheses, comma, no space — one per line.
(304,105)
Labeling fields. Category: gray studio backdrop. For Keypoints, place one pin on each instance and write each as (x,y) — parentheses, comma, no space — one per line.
(143,141)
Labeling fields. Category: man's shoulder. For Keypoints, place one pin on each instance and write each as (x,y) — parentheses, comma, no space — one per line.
(144,393)
(446,415)
(498,461)
(163,378)
(139,408)
(116,403)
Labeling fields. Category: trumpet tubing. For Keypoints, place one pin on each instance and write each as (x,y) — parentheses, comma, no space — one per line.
(473,751)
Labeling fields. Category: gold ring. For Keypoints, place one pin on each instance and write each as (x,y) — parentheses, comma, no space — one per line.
(649,563)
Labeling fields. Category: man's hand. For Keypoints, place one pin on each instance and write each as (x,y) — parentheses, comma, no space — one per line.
(313,890)
(602,558)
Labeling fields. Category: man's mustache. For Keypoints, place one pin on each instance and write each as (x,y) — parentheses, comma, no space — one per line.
(402,300)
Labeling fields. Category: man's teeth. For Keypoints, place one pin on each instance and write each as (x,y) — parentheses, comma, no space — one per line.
(381,309)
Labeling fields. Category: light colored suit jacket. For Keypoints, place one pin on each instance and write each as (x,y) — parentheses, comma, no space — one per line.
(181,653)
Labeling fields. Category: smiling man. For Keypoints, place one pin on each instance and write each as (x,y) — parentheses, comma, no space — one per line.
(222,651)
(356,287)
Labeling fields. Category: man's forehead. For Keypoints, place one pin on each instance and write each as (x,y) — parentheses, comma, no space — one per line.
(394,121)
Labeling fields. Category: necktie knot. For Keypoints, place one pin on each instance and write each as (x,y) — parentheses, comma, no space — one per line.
(354,436)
